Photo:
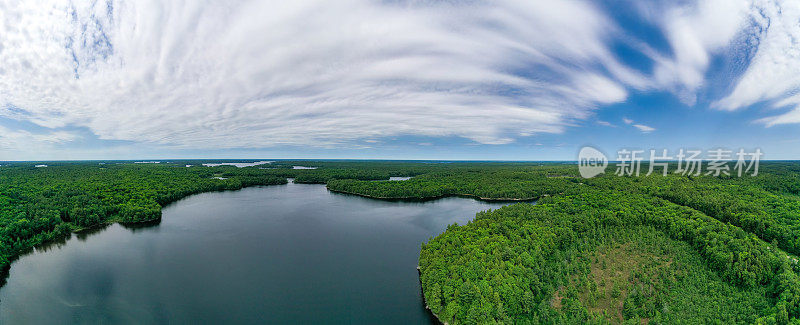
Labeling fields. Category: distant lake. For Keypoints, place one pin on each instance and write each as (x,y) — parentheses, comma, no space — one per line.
(279,254)
(237,164)
(397,178)
(303,167)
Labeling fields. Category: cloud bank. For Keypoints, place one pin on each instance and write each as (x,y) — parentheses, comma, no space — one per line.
(774,72)
(256,74)
(323,73)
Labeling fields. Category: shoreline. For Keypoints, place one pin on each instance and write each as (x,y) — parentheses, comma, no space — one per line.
(422,291)
(89,230)
(78,231)
(155,221)
(431,198)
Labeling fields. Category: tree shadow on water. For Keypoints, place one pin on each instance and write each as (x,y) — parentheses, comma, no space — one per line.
(135,227)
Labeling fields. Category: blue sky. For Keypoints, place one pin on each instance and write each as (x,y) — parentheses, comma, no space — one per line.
(485,80)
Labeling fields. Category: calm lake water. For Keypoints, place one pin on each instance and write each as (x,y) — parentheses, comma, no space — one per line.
(278,254)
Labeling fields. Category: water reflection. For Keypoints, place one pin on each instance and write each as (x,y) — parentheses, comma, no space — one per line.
(82,235)
(303,167)
(292,253)
(140,226)
(239,164)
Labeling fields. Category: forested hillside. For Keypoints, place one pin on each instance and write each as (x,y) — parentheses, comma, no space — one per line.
(697,249)
(42,203)
(492,182)
(533,263)
(39,204)
(611,249)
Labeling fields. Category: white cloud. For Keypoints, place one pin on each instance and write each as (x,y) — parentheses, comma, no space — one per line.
(639,126)
(187,74)
(644,128)
(21,140)
(774,72)
(604,123)
(257,74)
(765,32)
(695,31)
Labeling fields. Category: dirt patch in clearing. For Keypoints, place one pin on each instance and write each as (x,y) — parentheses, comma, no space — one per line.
(610,279)
(557,297)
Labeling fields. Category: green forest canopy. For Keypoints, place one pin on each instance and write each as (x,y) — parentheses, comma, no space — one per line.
(608,249)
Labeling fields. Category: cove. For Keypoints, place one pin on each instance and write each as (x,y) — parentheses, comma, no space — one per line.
(276,254)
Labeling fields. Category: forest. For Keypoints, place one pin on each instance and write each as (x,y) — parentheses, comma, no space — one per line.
(610,249)
(694,249)
(40,204)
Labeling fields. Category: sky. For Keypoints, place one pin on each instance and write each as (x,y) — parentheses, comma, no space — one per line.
(393,79)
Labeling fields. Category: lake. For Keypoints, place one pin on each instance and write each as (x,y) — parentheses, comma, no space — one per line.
(276,254)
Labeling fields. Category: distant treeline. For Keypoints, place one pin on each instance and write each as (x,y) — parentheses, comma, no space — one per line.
(611,249)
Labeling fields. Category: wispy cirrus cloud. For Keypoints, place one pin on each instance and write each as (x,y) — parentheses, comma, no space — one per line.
(257,74)
(605,123)
(641,127)
(695,31)
(758,37)
(22,140)
(774,72)
(644,128)
(321,73)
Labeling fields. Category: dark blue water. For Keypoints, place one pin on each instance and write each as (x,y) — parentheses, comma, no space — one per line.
(279,254)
